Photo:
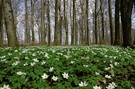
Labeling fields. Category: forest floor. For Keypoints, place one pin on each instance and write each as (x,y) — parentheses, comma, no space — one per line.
(67,67)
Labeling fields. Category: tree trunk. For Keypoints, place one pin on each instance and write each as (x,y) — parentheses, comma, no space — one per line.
(49,27)
(65,22)
(102,19)
(82,26)
(56,22)
(60,23)
(9,23)
(32,20)
(27,29)
(73,29)
(43,35)
(1,24)
(126,12)
(117,23)
(110,20)
(87,23)
(96,33)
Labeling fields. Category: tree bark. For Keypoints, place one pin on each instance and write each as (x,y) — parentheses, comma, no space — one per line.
(60,23)
(27,29)
(32,20)
(126,12)
(43,33)
(56,22)
(111,23)
(102,20)
(65,22)
(49,27)
(1,24)
(73,29)
(87,23)
(9,23)
(117,23)
(96,33)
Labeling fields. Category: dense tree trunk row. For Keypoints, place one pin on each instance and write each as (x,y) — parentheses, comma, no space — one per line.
(68,26)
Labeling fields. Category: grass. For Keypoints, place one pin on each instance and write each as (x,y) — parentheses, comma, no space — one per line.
(73,67)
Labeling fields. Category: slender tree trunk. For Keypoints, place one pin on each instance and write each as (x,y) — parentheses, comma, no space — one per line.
(117,23)
(60,24)
(111,23)
(93,31)
(49,27)
(126,12)
(1,24)
(82,26)
(96,32)
(56,22)
(71,23)
(43,35)
(27,30)
(65,22)
(9,23)
(32,20)
(73,29)
(102,19)
(87,23)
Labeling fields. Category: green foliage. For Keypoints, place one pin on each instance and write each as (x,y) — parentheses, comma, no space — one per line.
(24,67)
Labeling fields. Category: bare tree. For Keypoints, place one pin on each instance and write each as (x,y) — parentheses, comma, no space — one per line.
(117,23)
(49,27)
(126,12)
(1,24)
(32,19)
(65,22)
(60,23)
(95,18)
(87,23)
(111,22)
(27,29)
(56,23)
(73,28)
(102,20)
(9,23)
(43,32)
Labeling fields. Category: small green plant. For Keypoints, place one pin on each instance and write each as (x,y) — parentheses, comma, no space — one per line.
(86,67)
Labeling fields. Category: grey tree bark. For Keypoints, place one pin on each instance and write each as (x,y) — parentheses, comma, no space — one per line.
(9,23)
(27,28)
(56,23)
(65,22)
(43,32)
(49,27)
(87,23)
(32,20)
(102,20)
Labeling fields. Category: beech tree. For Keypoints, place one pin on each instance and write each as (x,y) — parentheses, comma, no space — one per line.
(9,23)
(27,28)
(49,23)
(32,19)
(43,30)
(126,12)
(1,24)
(117,23)
(111,22)
(56,22)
